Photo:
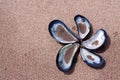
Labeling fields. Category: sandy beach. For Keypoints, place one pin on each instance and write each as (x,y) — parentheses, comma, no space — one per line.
(28,52)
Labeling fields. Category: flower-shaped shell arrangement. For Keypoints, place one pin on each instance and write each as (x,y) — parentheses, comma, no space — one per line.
(72,43)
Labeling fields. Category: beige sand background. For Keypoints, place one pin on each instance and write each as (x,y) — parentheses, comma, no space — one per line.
(27,51)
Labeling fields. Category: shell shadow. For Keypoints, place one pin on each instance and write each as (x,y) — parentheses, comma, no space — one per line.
(73,63)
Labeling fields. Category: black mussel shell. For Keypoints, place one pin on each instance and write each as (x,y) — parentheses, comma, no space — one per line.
(83,26)
(91,59)
(96,41)
(61,33)
(65,57)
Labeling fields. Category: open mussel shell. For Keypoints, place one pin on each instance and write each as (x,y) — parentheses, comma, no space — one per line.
(91,59)
(65,57)
(61,33)
(96,41)
(83,26)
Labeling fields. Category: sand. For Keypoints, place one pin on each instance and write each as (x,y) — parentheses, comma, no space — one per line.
(28,52)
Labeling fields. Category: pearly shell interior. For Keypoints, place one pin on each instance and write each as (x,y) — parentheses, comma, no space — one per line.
(65,57)
(96,41)
(91,59)
(83,26)
(61,33)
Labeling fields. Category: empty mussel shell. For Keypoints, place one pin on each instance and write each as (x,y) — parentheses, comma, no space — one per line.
(91,59)
(83,26)
(65,57)
(61,33)
(96,41)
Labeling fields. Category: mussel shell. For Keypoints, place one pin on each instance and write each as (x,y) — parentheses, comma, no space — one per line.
(83,26)
(91,59)
(65,57)
(61,33)
(96,41)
